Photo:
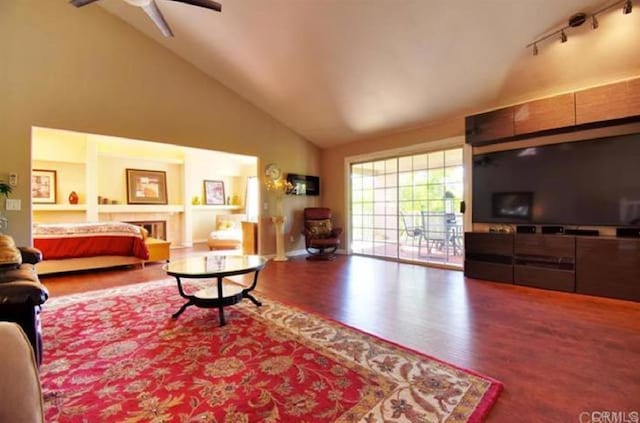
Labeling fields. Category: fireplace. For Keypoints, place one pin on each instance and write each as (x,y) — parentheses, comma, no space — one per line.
(156,228)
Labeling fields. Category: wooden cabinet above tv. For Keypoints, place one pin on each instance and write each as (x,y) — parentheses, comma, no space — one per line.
(545,114)
(615,101)
(594,107)
(489,126)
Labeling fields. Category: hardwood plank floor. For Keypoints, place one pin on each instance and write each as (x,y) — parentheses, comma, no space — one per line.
(557,354)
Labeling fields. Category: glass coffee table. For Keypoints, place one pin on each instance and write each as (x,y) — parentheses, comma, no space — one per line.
(218,267)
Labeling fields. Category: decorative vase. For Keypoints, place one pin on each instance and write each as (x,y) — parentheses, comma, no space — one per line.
(73,198)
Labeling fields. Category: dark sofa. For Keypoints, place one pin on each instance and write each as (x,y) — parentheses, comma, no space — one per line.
(21,293)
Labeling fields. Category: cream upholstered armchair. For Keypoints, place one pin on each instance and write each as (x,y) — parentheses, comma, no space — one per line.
(228,232)
(20,391)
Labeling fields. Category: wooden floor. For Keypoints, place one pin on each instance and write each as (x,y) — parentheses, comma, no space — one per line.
(557,354)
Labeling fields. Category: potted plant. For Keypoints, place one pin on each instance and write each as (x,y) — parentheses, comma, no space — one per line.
(5,189)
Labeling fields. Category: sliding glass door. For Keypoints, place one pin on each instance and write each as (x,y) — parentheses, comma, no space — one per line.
(406,207)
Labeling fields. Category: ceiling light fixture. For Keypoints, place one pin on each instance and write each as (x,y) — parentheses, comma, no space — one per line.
(563,37)
(578,19)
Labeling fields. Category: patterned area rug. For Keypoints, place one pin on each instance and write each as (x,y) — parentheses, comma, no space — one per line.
(117,356)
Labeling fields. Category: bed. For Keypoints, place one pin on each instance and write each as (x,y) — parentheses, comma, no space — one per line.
(80,246)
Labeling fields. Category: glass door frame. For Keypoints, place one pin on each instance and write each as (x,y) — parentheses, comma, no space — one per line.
(427,147)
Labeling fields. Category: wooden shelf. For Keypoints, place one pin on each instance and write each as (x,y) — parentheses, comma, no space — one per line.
(59,207)
(140,208)
(208,207)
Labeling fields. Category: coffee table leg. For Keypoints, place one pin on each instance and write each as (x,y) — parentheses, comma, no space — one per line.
(221,312)
(252,298)
(220,296)
(183,308)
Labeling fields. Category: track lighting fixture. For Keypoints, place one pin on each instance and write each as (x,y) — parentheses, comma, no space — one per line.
(580,18)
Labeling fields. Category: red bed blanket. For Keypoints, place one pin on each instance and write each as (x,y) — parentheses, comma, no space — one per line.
(69,240)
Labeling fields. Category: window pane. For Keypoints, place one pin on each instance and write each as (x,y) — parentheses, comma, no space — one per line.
(420,177)
(436,176)
(391,194)
(421,192)
(406,193)
(405,178)
(453,174)
(391,165)
(391,179)
(405,163)
(420,161)
(435,191)
(436,159)
(453,157)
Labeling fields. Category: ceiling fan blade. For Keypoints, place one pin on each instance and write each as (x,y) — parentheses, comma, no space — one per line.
(80,3)
(156,16)
(207,4)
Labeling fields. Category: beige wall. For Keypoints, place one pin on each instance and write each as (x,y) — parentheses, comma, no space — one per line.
(85,70)
(333,159)
(590,58)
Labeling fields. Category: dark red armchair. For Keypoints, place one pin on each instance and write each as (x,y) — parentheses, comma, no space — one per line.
(320,237)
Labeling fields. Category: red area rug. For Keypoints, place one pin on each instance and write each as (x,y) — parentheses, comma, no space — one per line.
(117,356)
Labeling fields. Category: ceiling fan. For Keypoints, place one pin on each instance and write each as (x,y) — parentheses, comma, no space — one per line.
(151,9)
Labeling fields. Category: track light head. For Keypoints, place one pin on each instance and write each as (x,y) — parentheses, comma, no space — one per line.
(628,7)
(594,22)
(535,49)
(563,37)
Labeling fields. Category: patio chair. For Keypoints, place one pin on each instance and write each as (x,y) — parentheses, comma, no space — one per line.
(412,231)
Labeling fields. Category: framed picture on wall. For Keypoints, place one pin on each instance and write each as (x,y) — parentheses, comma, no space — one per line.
(146,186)
(43,186)
(214,193)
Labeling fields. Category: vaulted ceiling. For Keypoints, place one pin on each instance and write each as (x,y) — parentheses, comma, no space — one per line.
(337,71)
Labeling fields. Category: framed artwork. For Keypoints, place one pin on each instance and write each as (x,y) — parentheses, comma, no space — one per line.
(43,186)
(146,186)
(214,193)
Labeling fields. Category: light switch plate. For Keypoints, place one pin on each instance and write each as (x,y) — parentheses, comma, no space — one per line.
(13,204)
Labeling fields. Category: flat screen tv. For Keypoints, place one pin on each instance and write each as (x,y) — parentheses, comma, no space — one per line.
(590,183)
(303,184)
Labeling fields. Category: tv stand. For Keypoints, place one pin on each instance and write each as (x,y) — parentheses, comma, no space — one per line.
(601,266)
(545,261)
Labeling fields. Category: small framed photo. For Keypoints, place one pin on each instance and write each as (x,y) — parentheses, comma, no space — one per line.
(214,193)
(146,186)
(43,186)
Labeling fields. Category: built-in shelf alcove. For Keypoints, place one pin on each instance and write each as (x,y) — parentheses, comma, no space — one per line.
(95,166)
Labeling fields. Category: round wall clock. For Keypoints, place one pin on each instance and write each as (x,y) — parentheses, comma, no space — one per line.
(272,171)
